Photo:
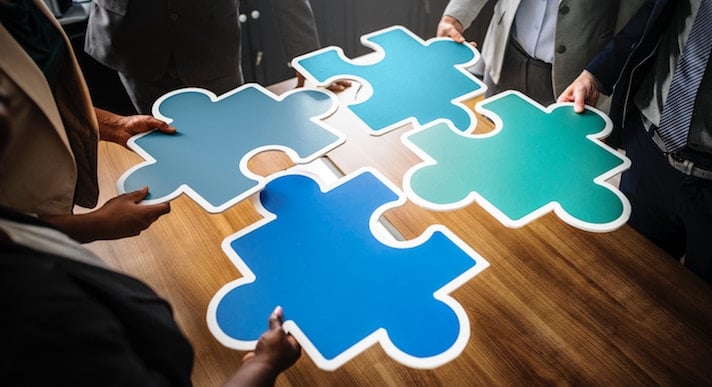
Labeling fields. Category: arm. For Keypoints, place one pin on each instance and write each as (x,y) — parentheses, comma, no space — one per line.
(120,217)
(603,71)
(297,27)
(275,352)
(463,12)
(607,66)
(449,27)
(583,91)
(66,328)
(118,129)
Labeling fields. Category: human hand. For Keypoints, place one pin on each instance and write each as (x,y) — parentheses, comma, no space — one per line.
(275,352)
(275,348)
(336,86)
(582,91)
(118,129)
(119,217)
(449,27)
(123,216)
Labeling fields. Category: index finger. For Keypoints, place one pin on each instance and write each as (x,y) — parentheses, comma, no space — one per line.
(164,127)
(579,100)
(455,35)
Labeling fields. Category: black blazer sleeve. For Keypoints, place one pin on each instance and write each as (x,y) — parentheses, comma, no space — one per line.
(72,324)
(608,65)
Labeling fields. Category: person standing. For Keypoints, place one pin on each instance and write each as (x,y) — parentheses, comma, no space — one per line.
(51,161)
(659,74)
(157,46)
(538,46)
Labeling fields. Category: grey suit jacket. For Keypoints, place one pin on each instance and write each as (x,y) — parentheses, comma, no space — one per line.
(139,37)
(583,27)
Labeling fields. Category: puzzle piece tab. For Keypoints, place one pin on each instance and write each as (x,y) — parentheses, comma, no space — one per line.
(342,288)
(410,80)
(207,158)
(535,161)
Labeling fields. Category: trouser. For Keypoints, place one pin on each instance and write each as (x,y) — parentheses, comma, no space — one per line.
(144,93)
(668,207)
(523,73)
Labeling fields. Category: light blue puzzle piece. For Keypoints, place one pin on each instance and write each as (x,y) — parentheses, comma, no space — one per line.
(342,287)
(536,160)
(410,80)
(207,158)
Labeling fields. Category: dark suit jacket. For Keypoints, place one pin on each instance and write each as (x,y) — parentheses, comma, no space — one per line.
(73,324)
(138,37)
(622,65)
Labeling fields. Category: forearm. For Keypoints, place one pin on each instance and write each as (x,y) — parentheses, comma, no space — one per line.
(108,125)
(253,373)
(82,227)
(465,11)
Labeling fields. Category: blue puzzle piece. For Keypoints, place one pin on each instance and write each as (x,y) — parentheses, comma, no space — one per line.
(411,79)
(535,161)
(207,158)
(342,288)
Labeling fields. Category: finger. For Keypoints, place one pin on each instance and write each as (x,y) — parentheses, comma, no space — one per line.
(162,126)
(138,195)
(248,356)
(579,100)
(300,79)
(565,96)
(158,210)
(336,87)
(275,319)
(456,36)
(293,342)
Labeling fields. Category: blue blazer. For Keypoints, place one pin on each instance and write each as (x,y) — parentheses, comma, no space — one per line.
(623,63)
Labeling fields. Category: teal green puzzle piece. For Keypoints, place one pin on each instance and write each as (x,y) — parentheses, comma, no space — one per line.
(536,160)
(216,136)
(410,80)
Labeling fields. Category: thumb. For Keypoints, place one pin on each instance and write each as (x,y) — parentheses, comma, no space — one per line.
(275,319)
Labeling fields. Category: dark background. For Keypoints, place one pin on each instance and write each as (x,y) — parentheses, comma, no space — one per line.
(339,23)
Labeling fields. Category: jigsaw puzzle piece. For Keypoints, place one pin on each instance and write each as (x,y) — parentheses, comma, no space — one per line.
(343,288)
(537,160)
(207,158)
(410,80)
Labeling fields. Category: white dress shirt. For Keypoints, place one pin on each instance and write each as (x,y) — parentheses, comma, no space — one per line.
(535,28)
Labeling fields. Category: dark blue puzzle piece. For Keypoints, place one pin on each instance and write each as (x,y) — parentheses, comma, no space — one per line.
(342,289)
(216,137)
(412,79)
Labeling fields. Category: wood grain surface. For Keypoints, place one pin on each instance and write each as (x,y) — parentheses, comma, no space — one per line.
(556,306)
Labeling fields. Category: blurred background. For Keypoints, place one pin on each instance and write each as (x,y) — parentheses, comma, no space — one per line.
(339,23)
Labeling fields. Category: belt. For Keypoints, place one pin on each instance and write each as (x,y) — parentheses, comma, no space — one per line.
(688,167)
(676,160)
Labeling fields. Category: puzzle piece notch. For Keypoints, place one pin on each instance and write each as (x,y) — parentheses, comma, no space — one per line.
(535,161)
(207,158)
(342,288)
(433,86)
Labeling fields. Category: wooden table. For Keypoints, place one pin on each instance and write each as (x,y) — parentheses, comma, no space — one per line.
(556,306)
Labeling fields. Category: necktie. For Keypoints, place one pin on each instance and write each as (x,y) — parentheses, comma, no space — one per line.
(677,111)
